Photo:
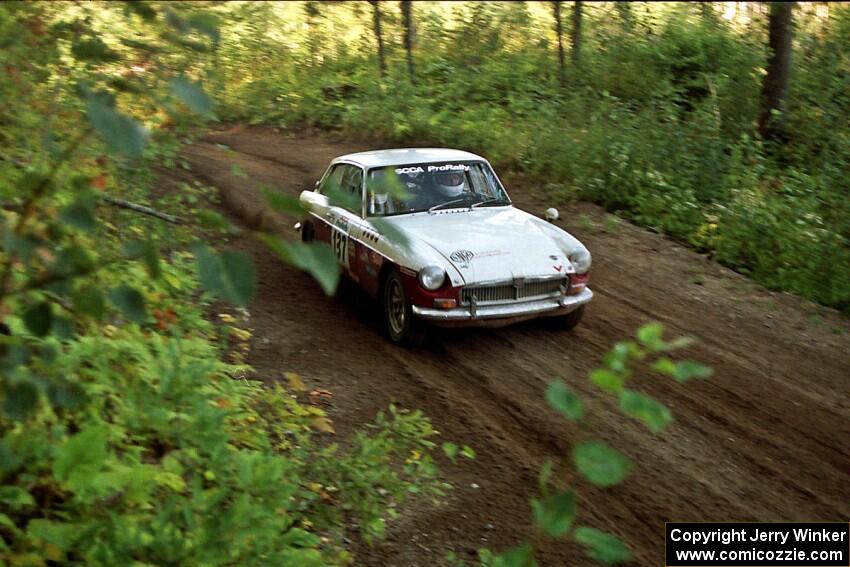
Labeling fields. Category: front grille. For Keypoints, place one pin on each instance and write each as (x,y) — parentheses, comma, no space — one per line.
(508,292)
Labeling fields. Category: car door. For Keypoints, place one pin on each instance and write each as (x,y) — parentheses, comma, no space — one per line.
(346,181)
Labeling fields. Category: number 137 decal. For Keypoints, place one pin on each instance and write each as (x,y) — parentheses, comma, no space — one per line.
(339,242)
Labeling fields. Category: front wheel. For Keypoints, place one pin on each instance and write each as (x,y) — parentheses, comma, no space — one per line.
(400,324)
(308,232)
(570,320)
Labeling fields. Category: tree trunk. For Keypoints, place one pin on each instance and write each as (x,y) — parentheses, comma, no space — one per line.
(624,11)
(407,23)
(376,20)
(576,35)
(556,11)
(775,84)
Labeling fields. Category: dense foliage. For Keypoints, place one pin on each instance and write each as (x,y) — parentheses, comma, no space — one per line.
(129,433)
(658,122)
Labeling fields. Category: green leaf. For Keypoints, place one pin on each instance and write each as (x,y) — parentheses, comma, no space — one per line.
(338,197)
(93,49)
(205,23)
(653,413)
(601,546)
(563,400)
(230,275)
(15,497)
(61,535)
(688,369)
(72,260)
(467,452)
(600,464)
(79,214)
(147,251)
(522,556)
(89,300)
(650,335)
(607,380)
(65,394)
(285,204)
(214,220)
(21,399)
(38,319)
(555,514)
(664,366)
(315,258)
(6,522)
(297,537)
(617,359)
(130,302)
(62,328)
(192,94)
(81,457)
(121,133)
(450,449)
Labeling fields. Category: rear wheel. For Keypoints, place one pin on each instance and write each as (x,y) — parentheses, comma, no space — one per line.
(570,320)
(400,324)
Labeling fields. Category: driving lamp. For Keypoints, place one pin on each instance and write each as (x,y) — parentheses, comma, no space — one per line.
(580,259)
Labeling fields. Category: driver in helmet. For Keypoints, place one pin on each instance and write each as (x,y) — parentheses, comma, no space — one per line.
(450,184)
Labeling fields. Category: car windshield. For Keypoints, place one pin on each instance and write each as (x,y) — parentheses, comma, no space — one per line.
(401,189)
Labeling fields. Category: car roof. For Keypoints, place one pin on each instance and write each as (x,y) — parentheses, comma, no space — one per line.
(407,156)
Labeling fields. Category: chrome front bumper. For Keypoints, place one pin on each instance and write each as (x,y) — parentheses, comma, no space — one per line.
(506,312)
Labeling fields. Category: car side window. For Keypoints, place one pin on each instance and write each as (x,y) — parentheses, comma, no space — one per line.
(332,179)
(347,179)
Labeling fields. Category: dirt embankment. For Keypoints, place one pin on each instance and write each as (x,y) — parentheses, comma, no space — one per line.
(765,439)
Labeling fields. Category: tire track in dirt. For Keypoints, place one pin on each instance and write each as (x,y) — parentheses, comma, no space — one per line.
(765,439)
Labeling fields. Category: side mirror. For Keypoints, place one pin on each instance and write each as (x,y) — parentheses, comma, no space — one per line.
(552,214)
(311,200)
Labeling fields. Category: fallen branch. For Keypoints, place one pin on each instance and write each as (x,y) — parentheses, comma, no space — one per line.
(115,201)
(141,209)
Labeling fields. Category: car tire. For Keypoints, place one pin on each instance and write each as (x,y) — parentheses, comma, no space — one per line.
(400,325)
(308,232)
(569,321)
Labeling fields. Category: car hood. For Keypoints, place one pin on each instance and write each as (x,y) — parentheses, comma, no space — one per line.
(489,244)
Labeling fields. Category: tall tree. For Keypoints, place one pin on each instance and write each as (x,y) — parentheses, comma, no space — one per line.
(556,12)
(576,34)
(624,11)
(775,84)
(376,23)
(407,24)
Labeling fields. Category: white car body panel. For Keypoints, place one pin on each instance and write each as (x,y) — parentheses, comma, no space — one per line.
(506,243)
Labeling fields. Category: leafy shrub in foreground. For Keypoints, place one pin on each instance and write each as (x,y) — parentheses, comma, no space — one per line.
(556,509)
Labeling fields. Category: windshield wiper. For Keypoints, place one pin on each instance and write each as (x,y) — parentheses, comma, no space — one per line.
(491,202)
(452,202)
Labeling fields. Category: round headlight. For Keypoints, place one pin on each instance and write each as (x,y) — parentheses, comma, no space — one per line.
(432,277)
(580,259)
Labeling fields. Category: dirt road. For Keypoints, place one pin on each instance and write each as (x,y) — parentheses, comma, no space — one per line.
(766,439)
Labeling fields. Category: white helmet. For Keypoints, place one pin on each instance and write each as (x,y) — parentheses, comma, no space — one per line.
(450,183)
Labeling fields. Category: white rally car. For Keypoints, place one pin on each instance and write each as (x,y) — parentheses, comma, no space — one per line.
(446,245)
